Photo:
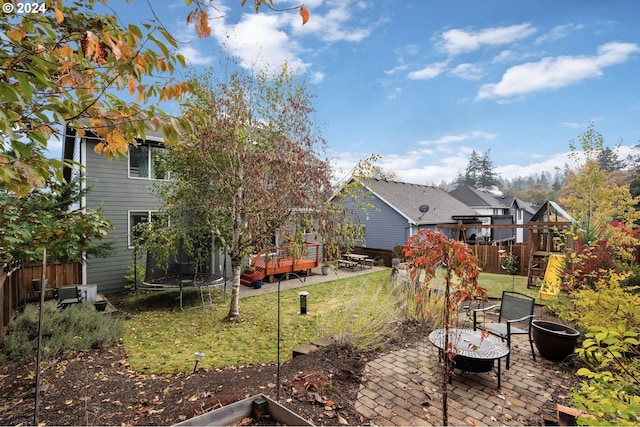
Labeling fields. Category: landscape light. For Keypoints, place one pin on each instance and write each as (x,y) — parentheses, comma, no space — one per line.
(199,355)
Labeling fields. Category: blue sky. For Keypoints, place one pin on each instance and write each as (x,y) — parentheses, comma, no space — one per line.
(423,83)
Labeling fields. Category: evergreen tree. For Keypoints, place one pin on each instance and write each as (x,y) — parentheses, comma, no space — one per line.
(609,161)
(487,177)
(478,173)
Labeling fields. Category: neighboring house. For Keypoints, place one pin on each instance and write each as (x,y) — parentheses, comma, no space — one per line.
(402,209)
(122,188)
(490,208)
(522,213)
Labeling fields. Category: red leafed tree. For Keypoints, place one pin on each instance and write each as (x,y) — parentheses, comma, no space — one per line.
(427,251)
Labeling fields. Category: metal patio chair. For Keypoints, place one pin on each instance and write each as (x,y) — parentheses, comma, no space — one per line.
(515,308)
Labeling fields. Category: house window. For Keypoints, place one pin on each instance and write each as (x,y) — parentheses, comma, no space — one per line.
(142,217)
(147,161)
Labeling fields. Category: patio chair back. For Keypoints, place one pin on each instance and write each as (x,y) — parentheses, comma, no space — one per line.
(515,308)
(68,295)
(516,305)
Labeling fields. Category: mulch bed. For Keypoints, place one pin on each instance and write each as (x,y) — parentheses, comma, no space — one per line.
(99,388)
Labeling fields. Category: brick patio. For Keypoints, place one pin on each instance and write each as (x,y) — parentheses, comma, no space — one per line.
(404,388)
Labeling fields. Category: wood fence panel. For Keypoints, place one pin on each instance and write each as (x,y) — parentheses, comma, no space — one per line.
(488,255)
(16,288)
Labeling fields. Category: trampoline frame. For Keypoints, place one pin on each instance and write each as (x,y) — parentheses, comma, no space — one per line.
(149,285)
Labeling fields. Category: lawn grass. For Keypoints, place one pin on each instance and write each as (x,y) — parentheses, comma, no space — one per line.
(164,340)
(496,283)
(161,338)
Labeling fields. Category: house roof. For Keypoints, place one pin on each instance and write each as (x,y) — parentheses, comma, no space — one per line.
(477,198)
(512,201)
(551,212)
(406,199)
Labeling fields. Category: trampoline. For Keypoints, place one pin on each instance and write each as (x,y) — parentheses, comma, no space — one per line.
(179,273)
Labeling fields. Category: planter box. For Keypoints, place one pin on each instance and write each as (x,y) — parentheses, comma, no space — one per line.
(255,407)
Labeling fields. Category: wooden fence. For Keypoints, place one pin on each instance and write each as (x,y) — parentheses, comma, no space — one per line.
(16,288)
(489,256)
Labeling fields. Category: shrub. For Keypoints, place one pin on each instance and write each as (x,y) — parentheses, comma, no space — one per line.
(414,301)
(364,326)
(76,328)
(611,396)
(608,304)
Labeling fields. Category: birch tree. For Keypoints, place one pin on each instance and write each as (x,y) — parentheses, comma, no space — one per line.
(252,169)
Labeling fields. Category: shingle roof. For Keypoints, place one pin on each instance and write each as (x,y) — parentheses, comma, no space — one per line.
(407,198)
(477,198)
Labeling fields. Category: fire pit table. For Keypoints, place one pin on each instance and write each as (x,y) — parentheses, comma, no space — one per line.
(472,351)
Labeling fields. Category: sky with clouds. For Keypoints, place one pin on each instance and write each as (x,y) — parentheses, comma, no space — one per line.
(424,82)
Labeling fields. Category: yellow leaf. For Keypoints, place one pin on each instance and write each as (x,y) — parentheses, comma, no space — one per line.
(202,25)
(66,51)
(114,47)
(59,15)
(304,12)
(132,85)
(16,33)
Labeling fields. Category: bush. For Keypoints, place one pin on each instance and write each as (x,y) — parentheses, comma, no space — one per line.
(611,396)
(608,305)
(76,328)
(414,302)
(363,326)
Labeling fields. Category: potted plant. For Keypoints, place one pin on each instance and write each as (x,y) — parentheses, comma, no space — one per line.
(553,340)
(396,255)
(325,268)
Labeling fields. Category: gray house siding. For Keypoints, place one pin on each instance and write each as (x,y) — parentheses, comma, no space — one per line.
(385,227)
(117,195)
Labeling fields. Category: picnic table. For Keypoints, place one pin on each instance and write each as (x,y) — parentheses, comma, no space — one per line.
(353,261)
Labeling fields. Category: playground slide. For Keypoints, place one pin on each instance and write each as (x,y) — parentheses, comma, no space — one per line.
(552,282)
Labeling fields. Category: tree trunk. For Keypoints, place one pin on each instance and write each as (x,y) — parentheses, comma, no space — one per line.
(234,306)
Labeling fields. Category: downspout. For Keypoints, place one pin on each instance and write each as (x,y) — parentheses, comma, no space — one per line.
(83,201)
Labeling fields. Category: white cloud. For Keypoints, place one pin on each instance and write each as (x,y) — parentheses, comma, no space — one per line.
(553,73)
(448,139)
(573,125)
(468,71)
(549,164)
(394,93)
(258,42)
(54,147)
(266,40)
(336,24)
(457,41)
(195,57)
(557,33)
(317,77)
(428,72)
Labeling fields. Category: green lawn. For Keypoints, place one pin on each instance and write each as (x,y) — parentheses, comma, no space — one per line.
(161,338)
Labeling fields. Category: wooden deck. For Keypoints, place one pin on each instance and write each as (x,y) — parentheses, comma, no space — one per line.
(278,262)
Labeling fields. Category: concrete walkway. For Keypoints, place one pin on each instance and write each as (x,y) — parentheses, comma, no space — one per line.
(315,277)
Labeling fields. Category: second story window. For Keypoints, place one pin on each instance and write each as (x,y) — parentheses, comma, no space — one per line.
(147,161)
